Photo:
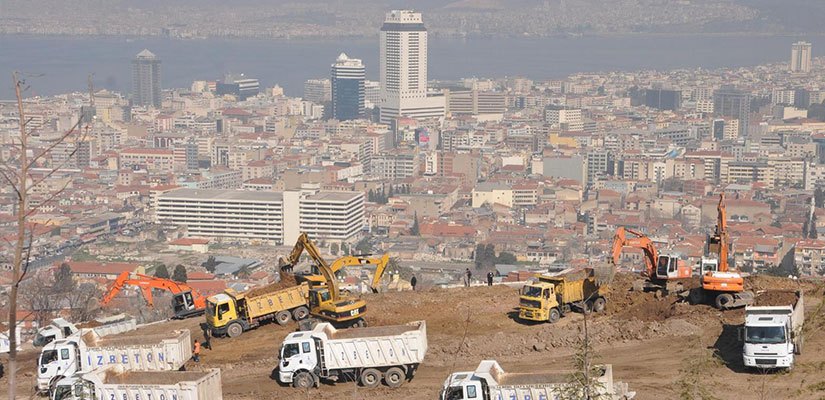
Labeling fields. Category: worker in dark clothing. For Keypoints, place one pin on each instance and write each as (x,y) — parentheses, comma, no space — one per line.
(469,277)
(206,336)
(490,278)
(413,282)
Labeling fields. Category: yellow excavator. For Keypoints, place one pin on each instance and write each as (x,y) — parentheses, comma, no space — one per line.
(315,278)
(325,299)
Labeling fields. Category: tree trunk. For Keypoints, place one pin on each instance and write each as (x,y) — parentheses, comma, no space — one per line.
(22,209)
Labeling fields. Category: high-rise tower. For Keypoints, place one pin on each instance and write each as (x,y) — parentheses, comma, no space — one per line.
(403,69)
(801,57)
(348,76)
(729,101)
(146,89)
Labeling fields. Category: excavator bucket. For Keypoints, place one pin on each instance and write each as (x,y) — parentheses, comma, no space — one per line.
(604,273)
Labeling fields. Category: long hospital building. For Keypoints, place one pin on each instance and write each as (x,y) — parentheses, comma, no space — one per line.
(276,217)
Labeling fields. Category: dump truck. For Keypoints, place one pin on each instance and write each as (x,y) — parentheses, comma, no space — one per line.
(368,355)
(117,383)
(551,297)
(773,333)
(87,351)
(232,313)
(490,382)
(59,328)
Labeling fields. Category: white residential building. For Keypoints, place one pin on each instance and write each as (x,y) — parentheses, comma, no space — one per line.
(276,217)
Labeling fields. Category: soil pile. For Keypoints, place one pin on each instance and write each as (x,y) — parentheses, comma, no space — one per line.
(287,281)
(776,298)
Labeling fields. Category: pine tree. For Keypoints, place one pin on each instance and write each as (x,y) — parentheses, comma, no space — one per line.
(813,234)
(179,275)
(819,197)
(489,255)
(479,256)
(162,272)
(806,229)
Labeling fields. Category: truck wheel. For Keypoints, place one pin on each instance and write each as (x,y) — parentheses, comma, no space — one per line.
(370,378)
(695,296)
(723,300)
(234,330)
(361,323)
(554,316)
(300,313)
(394,377)
(303,380)
(283,317)
(599,304)
(587,307)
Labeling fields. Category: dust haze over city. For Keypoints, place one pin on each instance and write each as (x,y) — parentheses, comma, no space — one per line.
(472,199)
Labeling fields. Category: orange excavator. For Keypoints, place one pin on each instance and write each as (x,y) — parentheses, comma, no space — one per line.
(186,302)
(663,272)
(721,286)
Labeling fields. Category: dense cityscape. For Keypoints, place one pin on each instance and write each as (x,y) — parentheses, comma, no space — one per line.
(470,182)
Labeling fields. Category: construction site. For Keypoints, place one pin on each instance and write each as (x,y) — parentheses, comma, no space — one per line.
(660,347)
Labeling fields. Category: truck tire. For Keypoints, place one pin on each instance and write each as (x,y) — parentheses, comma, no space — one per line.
(723,300)
(599,305)
(303,380)
(283,317)
(234,330)
(696,296)
(587,307)
(394,377)
(300,313)
(370,378)
(554,316)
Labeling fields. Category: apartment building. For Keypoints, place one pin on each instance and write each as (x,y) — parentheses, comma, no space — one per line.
(275,217)
(156,160)
(809,257)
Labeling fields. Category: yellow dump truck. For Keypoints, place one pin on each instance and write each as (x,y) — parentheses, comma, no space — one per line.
(231,313)
(551,297)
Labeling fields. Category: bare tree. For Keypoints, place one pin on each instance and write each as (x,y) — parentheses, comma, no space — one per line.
(16,172)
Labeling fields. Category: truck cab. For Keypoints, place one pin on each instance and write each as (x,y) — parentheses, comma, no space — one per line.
(183,305)
(59,328)
(298,353)
(58,359)
(221,310)
(537,301)
(670,266)
(768,340)
(73,388)
(465,385)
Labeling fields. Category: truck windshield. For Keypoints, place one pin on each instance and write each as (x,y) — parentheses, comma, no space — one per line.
(48,356)
(531,291)
(453,393)
(765,334)
(210,309)
(62,392)
(290,350)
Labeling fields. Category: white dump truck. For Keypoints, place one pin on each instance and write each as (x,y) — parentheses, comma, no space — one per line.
(368,355)
(117,383)
(490,382)
(59,328)
(86,351)
(773,334)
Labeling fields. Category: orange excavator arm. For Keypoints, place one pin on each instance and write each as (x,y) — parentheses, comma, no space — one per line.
(722,233)
(148,283)
(639,241)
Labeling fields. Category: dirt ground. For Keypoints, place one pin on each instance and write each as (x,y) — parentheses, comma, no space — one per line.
(663,348)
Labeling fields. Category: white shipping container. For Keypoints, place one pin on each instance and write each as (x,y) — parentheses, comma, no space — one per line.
(139,353)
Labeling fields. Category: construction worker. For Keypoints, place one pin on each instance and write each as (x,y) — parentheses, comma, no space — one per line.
(490,278)
(196,351)
(413,281)
(469,276)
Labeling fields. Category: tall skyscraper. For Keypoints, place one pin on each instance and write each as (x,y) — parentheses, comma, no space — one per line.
(348,76)
(729,101)
(317,90)
(801,57)
(146,89)
(403,69)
